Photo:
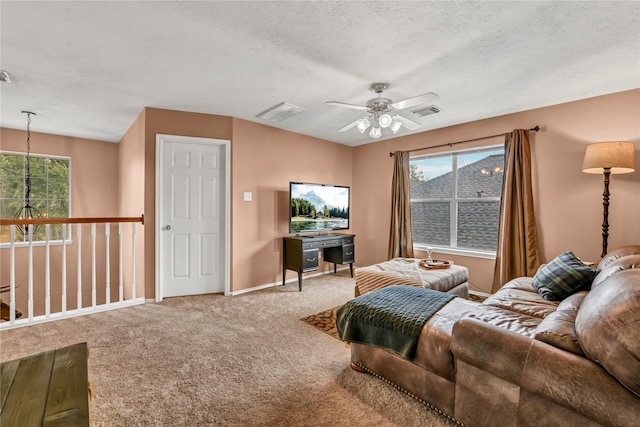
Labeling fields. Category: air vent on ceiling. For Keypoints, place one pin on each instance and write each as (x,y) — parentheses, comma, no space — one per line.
(280,112)
(5,76)
(426,111)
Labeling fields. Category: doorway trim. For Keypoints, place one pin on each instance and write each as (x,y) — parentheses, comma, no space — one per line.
(225,145)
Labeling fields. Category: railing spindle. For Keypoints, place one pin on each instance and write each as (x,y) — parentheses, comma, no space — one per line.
(79,279)
(64,268)
(47,271)
(120,272)
(93,265)
(30,274)
(133,261)
(107,231)
(12,275)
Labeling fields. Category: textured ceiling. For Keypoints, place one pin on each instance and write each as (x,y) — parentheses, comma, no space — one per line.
(89,68)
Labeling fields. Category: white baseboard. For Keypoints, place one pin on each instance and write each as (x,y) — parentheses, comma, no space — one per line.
(271,285)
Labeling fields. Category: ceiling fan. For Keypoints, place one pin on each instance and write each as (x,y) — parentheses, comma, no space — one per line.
(382,112)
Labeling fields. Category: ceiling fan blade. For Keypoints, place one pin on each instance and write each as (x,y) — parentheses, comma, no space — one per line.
(409,124)
(426,98)
(349,126)
(344,104)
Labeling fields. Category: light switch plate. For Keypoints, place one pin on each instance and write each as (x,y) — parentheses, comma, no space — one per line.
(248,196)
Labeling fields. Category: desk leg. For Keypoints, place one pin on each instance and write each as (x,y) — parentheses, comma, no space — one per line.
(351,269)
(300,280)
(334,268)
(284,274)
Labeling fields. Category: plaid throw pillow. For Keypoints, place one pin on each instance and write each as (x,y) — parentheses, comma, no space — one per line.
(562,277)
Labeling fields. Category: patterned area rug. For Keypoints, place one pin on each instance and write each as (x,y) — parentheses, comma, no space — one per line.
(325,321)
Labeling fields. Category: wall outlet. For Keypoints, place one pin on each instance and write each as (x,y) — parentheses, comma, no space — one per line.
(248,196)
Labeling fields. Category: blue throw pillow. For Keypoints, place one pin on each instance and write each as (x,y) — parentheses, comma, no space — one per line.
(562,277)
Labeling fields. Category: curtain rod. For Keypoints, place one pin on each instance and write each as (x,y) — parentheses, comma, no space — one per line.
(449,144)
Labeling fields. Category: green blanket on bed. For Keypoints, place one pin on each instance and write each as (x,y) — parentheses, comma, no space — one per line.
(390,318)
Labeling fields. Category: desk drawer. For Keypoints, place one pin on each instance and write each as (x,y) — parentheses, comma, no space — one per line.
(348,254)
(320,244)
(309,259)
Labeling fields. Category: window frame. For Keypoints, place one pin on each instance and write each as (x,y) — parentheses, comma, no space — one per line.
(454,202)
(69,236)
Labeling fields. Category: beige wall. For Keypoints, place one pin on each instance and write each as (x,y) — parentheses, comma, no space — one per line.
(265,159)
(94,166)
(131,184)
(568,202)
(94,193)
(169,122)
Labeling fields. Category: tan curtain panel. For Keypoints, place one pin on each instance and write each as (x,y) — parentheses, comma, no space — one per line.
(517,252)
(400,237)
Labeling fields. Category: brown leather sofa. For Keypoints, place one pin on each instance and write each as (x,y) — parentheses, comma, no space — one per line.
(519,360)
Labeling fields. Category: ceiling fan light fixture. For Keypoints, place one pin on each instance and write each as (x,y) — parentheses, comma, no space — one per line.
(363,124)
(385,121)
(381,112)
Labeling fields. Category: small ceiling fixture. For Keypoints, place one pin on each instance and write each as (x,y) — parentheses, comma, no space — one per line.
(5,76)
(27,211)
(382,112)
(280,112)
(426,111)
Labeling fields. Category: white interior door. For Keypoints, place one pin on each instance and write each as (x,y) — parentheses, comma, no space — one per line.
(191,227)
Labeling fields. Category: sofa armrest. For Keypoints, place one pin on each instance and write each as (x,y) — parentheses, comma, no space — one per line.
(490,348)
(578,383)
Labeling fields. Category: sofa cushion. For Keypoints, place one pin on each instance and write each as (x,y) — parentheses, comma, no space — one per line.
(564,275)
(519,296)
(558,329)
(618,253)
(618,264)
(508,320)
(608,327)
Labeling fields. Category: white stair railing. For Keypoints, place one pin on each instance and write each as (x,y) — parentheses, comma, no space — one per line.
(38,272)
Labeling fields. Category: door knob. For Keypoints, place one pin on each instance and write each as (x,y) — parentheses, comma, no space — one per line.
(166,227)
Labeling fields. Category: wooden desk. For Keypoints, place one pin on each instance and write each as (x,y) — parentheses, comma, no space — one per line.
(47,389)
(300,253)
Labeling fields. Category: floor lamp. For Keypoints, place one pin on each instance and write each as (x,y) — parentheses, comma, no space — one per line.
(610,157)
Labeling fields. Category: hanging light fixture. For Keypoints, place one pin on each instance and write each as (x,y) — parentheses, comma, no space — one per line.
(375,132)
(385,120)
(363,124)
(27,211)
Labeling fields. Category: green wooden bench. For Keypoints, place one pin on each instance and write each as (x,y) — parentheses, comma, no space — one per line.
(47,389)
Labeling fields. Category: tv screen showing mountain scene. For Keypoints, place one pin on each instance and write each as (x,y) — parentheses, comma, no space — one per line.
(318,207)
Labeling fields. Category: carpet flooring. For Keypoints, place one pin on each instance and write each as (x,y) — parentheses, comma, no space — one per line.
(325,321)
(211,360)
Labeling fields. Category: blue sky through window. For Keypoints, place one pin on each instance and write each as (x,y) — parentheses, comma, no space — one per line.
(432,167)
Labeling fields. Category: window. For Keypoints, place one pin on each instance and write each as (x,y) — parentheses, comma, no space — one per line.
(50,190)
(455,200)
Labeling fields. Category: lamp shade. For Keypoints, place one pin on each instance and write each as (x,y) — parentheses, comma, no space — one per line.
(616,155)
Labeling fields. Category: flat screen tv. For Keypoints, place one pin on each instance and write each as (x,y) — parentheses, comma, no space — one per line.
(318,207)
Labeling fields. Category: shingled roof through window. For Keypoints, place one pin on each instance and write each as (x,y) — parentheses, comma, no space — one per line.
(477,220)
